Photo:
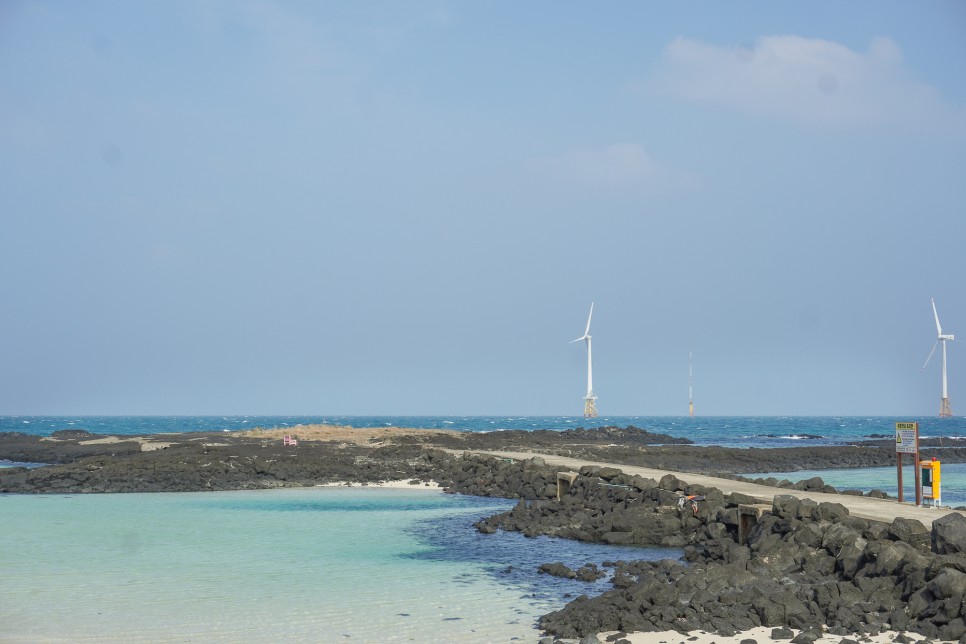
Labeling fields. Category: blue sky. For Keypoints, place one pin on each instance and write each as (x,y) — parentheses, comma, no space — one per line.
(407,207)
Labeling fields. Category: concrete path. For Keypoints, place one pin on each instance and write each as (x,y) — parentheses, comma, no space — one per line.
(864,507)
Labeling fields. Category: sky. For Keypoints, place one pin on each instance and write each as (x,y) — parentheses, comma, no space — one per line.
(408,207)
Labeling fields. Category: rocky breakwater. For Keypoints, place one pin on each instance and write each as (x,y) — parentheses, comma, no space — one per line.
(798,563)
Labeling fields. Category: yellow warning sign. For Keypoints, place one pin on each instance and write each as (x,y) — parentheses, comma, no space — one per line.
(907,438)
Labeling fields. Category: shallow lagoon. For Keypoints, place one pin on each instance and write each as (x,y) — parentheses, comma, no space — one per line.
(884,478)
(322,564)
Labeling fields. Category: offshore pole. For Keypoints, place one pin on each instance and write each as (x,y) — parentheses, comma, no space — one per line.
(690,386)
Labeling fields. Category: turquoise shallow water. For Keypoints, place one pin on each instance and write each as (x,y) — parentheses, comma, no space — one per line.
(319,565)
(885,479)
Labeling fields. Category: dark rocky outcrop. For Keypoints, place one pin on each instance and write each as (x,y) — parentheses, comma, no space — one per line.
(805,564)
(557,570)
(629,445)
(200,466)
(64,446)
(949,535)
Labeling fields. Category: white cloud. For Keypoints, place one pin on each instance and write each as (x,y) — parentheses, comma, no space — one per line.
(803,79)
(621,165)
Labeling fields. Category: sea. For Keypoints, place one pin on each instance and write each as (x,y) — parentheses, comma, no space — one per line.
(335,564)
(726,431)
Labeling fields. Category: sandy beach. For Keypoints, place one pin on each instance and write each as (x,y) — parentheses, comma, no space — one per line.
(401,484)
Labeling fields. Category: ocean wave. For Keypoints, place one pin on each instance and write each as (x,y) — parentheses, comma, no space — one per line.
(5,463)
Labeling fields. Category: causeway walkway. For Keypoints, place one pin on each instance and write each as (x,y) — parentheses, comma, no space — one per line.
(864,507)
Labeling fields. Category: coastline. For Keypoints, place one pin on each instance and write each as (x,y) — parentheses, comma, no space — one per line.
(730,583)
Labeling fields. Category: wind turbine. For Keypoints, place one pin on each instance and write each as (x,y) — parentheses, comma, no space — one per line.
(590,400)
(945,411)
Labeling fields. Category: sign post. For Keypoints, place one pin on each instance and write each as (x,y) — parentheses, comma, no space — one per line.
(907,442)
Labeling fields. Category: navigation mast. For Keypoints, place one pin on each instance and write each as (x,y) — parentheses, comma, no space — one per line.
(690,386)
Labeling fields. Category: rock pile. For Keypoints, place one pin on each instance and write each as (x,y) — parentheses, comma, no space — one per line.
(203,467)
(803,565)
(813,484)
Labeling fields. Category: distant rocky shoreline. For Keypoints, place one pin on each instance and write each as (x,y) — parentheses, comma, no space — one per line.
(803,565)
(82,462)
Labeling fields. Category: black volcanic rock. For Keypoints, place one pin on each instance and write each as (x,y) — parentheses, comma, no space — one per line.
(949,535)
(65,446)
(590,572)
(72,433)
(805,565)
(629,435)
(557,570)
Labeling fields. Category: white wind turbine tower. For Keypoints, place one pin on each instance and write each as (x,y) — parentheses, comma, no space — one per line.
(590,400)
(945,411)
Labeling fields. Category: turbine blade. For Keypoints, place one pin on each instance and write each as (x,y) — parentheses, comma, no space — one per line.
(587,332)
(939,329)
(930,355)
